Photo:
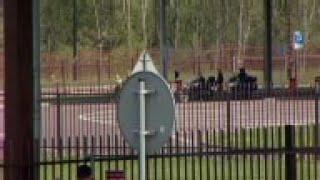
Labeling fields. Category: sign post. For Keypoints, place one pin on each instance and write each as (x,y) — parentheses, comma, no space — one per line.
(142,130)
(298,44)
(152,124)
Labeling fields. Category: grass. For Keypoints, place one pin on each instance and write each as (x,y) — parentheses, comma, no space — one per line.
(243,166)
(271,137)
(219,167)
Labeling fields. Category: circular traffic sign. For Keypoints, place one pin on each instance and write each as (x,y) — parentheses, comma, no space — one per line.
(159,111)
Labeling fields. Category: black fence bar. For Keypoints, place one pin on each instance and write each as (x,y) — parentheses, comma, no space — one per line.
(291,160)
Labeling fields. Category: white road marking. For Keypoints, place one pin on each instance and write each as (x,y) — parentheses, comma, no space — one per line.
(105,118)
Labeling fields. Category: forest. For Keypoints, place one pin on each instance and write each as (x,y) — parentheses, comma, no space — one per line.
(191,24)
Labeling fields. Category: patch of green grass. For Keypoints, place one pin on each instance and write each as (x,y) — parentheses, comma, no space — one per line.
(271,137)
(213,167)
(221,166)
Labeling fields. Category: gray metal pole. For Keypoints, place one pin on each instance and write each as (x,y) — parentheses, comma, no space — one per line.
(268,51)
(142,131)
(163,38)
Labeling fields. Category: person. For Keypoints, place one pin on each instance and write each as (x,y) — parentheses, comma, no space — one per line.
(84,172)
(211,82)
(246,83)
(219,81)
(176,75)
(211,86)
(178,83)
(202,81)
(242,75)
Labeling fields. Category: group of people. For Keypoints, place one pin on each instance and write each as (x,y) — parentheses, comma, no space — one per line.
(242,78)
(212,83)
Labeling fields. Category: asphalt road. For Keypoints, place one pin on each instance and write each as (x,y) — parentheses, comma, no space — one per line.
(72,120)
(92,121)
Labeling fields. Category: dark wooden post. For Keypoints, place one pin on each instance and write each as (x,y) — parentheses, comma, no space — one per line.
(21,27)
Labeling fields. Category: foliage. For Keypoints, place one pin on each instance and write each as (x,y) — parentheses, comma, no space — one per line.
(110,24)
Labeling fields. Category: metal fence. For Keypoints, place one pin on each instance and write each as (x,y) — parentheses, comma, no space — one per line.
(227,136)
(93,66)
(103,67)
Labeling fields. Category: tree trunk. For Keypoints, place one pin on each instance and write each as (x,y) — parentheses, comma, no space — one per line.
(240,37)
(129,37)
(99,35)
(177,26)
(144,8)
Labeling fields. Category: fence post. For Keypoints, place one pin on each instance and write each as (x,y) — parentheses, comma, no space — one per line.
(75,70)
(63,72)
(59,142)
(290,156)
(316,131)
(132,63)
(229,123)
(194,66)
(109,66)
(316,114)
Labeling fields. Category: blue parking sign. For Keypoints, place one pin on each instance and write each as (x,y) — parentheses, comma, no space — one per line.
(298,40)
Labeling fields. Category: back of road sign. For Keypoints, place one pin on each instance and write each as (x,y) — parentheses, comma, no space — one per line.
(159,111)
